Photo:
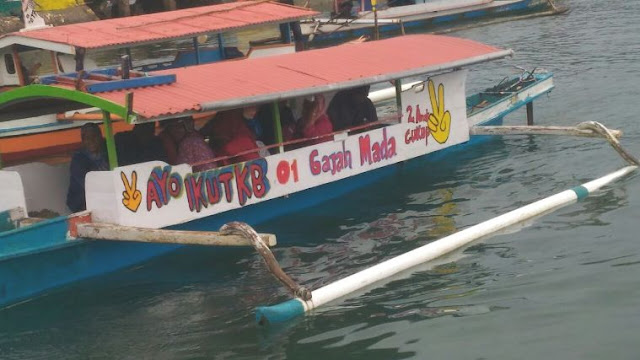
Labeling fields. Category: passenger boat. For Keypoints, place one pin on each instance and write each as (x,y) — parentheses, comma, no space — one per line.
(433,115)
(425,15)
(75,47)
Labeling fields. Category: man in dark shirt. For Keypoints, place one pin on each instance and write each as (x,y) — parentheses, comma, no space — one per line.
(92,157)
(351,107)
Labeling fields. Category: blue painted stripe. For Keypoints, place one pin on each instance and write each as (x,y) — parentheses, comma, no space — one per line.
(280,313)
(131,83)
(581,191)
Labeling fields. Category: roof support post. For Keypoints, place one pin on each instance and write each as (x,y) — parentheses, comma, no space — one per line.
(277,126)
(398,84)
(80,52)
(223,55)
(18,64)
(285,33)
(196,48)
(54,62)
(127,51)
(530,113)
(111,144)
(374,4)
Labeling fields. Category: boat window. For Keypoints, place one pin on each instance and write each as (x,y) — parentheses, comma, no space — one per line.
(9,64)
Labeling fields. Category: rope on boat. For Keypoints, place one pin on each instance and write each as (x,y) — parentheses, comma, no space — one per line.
(611,138)
(554,7)
(240,228)
(295,307)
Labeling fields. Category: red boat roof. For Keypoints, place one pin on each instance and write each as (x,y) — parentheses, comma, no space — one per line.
(161,26)
(236,83)
(233,84)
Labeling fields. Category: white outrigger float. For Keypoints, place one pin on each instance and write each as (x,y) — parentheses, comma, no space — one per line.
(138,202)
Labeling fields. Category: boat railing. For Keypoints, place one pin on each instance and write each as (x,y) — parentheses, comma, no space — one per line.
(384,121)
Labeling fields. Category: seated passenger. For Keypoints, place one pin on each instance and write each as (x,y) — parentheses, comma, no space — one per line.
(314,121)
(92,157)
(249,114)
(139,145)
(190,145)
(229,135)
(287,123)
(351,107)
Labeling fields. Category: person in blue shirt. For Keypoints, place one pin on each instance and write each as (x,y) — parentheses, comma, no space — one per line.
(92,157)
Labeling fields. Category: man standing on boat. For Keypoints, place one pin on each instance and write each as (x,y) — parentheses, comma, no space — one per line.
(91,157)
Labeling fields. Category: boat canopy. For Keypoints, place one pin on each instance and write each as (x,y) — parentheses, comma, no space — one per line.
(233,84)
(171,25)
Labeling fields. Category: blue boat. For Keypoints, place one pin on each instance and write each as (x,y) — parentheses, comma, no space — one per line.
(37,255)
(437,15)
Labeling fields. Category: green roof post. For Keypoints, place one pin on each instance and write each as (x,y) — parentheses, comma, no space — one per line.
(277,126)
(111,144)
(398,84)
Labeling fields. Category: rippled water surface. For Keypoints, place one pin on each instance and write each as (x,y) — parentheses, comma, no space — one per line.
(565,286)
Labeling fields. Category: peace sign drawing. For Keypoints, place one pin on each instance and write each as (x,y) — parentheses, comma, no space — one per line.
(131,197)
(439,119)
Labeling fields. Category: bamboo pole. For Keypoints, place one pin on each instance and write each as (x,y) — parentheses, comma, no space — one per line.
(343,287)
(111,144)
(537,130)
(277,125)
(161,236)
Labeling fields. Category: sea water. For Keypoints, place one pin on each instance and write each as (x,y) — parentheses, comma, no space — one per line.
(564,286)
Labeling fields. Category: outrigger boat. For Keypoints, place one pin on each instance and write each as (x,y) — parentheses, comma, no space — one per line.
(128,202)
(426,16)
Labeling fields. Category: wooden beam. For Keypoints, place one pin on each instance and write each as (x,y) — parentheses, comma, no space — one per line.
(128,233)
(537,130)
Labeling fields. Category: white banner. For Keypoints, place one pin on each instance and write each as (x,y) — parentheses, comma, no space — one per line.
(156,195)
(32,20)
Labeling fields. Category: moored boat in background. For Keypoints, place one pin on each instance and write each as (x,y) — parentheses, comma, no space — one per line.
(426,16)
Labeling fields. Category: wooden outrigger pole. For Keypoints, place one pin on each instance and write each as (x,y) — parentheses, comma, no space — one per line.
(231,234)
